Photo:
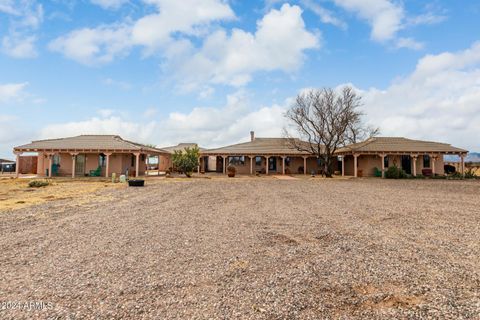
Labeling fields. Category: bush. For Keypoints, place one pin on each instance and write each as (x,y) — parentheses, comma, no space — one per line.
(187,160)
(470,174)
(231,170)
(395,173)
(377,172)
(38,183)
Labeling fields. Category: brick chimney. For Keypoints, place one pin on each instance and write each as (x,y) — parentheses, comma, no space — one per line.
(252,135)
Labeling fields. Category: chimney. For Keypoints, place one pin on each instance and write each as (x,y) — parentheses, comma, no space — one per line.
(252,135)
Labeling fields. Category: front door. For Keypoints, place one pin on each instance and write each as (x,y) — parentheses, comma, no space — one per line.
(272,164)
(407,164)
(80,165)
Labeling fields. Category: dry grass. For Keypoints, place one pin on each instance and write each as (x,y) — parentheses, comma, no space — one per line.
(16,194)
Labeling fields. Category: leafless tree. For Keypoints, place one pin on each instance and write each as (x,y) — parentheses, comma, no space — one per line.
(326,120)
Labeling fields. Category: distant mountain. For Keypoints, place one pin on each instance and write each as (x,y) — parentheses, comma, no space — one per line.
(471,157)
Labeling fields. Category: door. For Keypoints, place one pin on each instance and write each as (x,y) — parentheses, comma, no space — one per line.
(80,165)
(272,164)
(407,164)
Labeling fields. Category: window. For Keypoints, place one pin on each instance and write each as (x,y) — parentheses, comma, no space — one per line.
(287,161)
(102,160)
(426,161)
(258,161)
(385,162)
(56,159)
(236,160)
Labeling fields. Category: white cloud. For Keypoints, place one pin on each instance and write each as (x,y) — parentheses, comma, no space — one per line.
(326,16)
(439,101)
(25,17)
(116,83)
(12,91)
(94,46)
(409,43)
(109,4)
(384,16)
(278,44)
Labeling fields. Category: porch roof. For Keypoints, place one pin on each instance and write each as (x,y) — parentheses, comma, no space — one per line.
(259,146)
(88,143)
(399,145)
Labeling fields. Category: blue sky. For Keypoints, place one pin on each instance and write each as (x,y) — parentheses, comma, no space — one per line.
(209,71)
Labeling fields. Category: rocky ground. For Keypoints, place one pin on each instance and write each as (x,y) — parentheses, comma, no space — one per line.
(253,248)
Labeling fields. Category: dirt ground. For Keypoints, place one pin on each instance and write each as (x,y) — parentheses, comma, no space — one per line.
(246,248)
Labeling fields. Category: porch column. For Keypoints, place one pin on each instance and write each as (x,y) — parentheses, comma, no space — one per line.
(50,156)
(355,156)
(343,166)
(17,164)
(199,163)
(107,166)
(266,161)
(382,156)
(251,163)
(433,158)
(224,164)
(137,164)
(74,157)
(414,158)
(283,164)
(304,165)
(462,160)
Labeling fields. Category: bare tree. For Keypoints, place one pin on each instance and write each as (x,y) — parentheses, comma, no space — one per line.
(325,121)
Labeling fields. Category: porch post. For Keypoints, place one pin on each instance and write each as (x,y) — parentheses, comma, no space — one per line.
(74,157)
(224,164)
(251,164)
(433,158)
(382,156)
(137,164)
(107,166)
(462,160)
(50,156)
(283,164)
(17,164)
(343,166)
(355,156)
(304,165)
(198,168)
(414,157)
(266,162)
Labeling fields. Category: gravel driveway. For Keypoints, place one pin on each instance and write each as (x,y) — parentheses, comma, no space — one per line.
(252,248)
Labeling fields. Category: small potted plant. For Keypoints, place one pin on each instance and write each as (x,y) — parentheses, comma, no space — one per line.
(231,170)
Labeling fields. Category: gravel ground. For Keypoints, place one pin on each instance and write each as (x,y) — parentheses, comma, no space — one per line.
(253,248)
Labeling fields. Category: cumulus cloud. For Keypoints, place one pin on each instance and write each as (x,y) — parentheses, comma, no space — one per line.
(25,17)
(109,4)
(325,15)
(409,43)
(278,44)
(12,91)
(437,101)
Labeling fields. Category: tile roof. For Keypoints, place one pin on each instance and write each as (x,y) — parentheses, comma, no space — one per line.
(398,144)
(181,146)
(259,146)
(88,142)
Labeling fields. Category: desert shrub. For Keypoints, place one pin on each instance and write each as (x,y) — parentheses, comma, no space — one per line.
(394,172)
(38,183)
(377,172)
(470,174)
(187,160)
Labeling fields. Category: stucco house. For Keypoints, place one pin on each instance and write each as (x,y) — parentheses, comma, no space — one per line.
(77,156)
(361,159)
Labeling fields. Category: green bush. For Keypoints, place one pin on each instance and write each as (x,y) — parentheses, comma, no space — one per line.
(395,173)
(187,160)
(377,172)
(38,183)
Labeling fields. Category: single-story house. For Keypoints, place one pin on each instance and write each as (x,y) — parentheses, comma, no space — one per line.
(99,155)
(361,159)
(7,165)
(262,155)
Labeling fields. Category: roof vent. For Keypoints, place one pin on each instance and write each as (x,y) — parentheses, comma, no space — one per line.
(252,135)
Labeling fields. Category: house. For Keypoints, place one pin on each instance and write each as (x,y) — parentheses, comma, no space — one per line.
(361,159)
(167,164)
(89,154)
(263,155)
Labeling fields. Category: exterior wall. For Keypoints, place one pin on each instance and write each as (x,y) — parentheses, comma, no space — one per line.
(28,164)
(291,168)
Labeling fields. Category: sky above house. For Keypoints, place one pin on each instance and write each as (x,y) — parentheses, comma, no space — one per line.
(210,71)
